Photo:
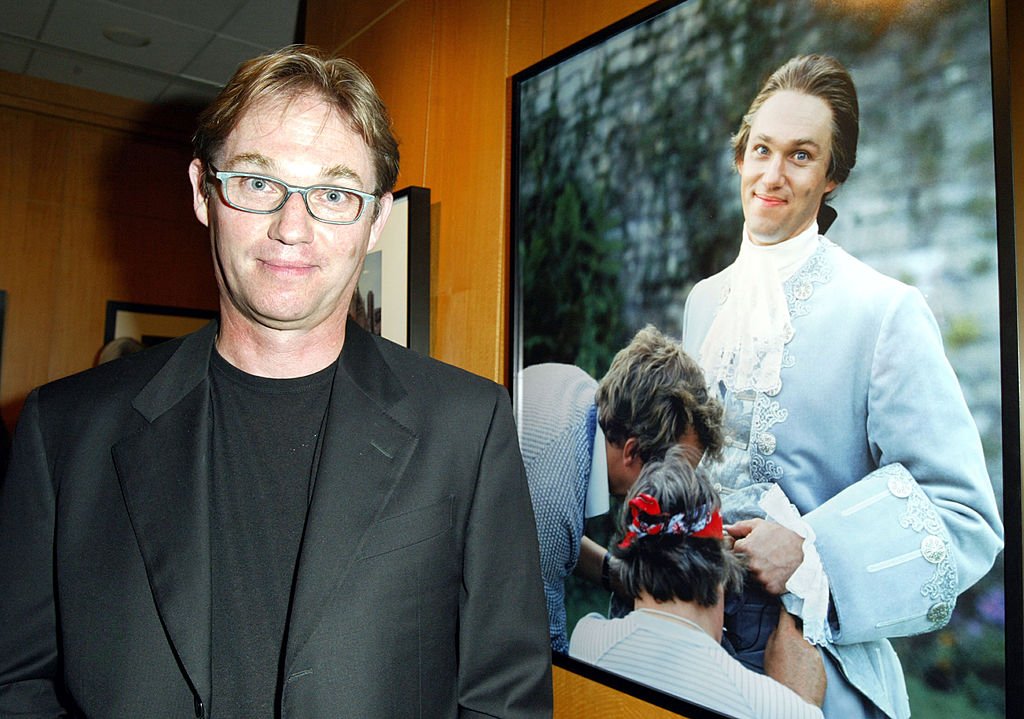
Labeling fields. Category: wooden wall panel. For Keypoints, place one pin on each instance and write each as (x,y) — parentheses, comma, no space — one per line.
(577,697)
(465,162)
(97,204)
(566,23)
(30,190)
(525,37)
(79,303)
(27,261)
(331,27)
(406,31)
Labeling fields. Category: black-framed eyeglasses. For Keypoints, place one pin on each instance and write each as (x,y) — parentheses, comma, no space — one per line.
(265,195)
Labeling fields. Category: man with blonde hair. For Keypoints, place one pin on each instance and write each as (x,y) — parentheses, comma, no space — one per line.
(853,479)
(280,514)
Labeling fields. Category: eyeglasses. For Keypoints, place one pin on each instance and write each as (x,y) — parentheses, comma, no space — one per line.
(264,195)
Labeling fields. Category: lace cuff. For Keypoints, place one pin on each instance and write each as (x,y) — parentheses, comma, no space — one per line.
(808,595)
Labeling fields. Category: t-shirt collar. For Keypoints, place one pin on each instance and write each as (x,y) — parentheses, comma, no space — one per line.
(598,501)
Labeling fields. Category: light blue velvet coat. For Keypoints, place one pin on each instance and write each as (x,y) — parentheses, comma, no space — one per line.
(871,439)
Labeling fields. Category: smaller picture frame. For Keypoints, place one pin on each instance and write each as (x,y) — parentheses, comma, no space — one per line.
(152,324)
(393,295)
(3,312)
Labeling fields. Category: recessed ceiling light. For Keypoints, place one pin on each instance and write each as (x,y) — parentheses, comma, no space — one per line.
(125,37)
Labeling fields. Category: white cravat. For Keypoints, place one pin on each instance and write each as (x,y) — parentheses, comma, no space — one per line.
(744,346)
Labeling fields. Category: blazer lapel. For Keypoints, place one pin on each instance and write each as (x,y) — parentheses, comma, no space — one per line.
(365,451)
(164,474)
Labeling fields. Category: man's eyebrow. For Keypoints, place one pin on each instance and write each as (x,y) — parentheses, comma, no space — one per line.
(342,172)
(799,142)
(252,158)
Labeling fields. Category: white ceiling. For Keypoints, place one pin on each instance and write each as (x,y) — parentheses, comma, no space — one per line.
(193,45)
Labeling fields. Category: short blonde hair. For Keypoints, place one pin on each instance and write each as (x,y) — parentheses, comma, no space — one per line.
(655,392)
(293,71)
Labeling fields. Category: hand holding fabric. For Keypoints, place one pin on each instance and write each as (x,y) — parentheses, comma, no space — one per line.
(773,552)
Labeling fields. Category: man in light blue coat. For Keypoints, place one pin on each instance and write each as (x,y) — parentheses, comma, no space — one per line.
(583,441)
(853,475)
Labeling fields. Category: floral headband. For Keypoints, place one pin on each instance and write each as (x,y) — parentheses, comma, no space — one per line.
(701,522)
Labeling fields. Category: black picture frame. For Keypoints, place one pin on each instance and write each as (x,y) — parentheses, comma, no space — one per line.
(3,314)
(396,274)
(151,324)
(539,172)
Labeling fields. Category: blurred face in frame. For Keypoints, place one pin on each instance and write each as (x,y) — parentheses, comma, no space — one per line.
(288,270)
(625,465)
(783,173)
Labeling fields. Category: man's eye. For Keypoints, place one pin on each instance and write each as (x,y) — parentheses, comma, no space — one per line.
(760,150)
(801,156)
(256,184)
(333,196)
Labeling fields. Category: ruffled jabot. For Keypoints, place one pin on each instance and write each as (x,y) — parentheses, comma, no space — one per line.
(745,344)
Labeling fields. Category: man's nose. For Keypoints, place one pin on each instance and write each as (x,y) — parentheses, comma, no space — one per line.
(774,171)
(292,223)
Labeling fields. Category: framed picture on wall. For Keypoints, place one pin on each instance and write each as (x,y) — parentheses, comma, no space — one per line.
(151,324)
(626,195)
(393,295)
(3,313)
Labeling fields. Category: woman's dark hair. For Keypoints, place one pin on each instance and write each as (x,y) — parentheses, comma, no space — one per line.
(676,566)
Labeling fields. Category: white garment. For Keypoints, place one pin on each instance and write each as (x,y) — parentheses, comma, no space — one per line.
(685,662)
(745,346)
(873,443)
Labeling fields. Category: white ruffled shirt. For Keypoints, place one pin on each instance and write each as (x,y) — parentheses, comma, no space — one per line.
(744,349)
(745,344)
(807,588)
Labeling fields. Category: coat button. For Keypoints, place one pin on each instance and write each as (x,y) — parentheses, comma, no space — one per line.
(900,486)
(939,614)
(766,443)
(933,549)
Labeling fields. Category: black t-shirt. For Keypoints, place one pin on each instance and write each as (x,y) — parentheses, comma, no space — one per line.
(265,434)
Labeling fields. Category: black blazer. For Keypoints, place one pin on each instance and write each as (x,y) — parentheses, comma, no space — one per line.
(418,589)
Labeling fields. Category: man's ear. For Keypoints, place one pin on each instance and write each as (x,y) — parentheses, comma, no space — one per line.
(631,454)
(383,208)
(200,199)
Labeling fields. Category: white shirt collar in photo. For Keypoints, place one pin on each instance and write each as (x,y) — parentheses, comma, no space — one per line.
(744,346)
(598,501)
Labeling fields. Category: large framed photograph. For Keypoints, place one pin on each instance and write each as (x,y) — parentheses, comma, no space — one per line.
(393,296)
(626,196)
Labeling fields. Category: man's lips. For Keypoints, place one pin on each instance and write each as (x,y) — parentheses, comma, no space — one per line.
(770,201)
(287,267)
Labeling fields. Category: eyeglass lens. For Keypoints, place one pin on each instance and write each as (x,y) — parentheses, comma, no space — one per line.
(263,194)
